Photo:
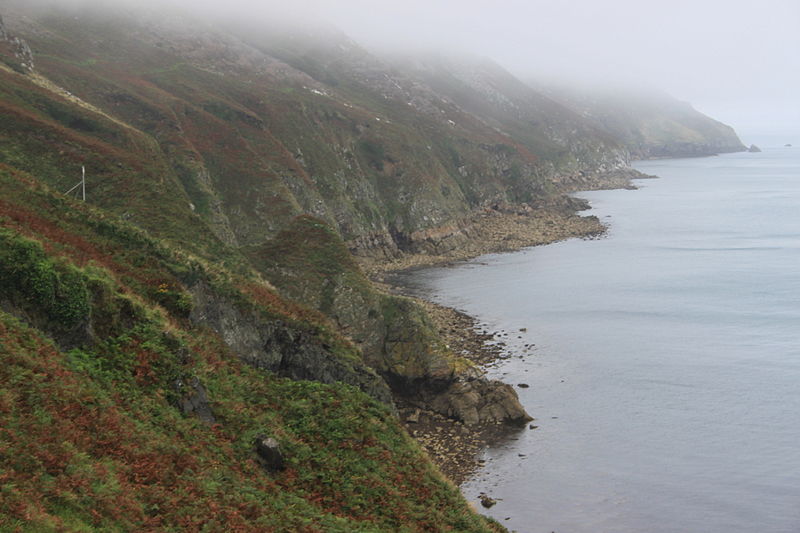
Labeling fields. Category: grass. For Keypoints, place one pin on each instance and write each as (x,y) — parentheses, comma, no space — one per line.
(83,453)
(202,179)
(92,437)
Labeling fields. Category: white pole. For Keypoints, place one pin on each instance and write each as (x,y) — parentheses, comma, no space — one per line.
(83,181)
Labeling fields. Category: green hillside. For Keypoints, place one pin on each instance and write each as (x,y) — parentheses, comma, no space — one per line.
(210,293)
(122,410)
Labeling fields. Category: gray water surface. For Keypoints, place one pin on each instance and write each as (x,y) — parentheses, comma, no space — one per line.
(665,376)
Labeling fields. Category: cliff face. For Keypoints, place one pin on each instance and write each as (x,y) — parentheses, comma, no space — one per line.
(122,384)
(311,123)
(267,149)
(141,363)
(652,124)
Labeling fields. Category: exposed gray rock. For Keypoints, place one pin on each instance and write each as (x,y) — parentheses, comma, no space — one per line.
(478,401)
(269,453)
(194,400)
(21,50)
(753,148)
(278,347)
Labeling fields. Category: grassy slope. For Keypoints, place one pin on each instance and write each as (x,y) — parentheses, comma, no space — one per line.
(206,158)
(322,136)
(308,262)
(91,437)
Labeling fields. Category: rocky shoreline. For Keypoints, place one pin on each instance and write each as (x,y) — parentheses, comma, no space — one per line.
(496,230)
(451,444)
(503,227)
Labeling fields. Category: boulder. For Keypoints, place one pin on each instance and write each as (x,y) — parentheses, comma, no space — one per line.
(413,418)
(269,453)
(753,148)
(487,501)
(480,400)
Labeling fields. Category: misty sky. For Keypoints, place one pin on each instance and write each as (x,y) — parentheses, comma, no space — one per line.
(736,60)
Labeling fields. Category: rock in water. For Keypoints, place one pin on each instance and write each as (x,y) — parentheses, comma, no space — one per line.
(753,148)
(269,453)
(487,501)
(787,145)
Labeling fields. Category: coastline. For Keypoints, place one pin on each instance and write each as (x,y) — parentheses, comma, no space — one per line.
(500,230)
(453,446)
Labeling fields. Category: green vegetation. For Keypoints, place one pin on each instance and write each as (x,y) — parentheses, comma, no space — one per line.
(374,152)
(309,263)
(94,437)
(97,446)
(40,285)
(229,178)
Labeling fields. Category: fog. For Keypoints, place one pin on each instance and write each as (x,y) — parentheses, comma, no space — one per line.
(738,61)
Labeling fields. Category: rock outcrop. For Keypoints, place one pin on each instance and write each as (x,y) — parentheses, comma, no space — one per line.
(478,400)
(278,347)
(194,400)
(269,453)
(754,149)
(21,55)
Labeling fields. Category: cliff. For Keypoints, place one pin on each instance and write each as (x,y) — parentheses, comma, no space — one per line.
(651,124)
(222,142)
(209,295)
(139,384)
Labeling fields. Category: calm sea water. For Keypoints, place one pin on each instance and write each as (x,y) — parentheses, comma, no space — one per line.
(665,376)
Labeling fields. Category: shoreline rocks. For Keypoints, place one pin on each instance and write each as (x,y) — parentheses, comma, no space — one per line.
(480,400)
(477,402)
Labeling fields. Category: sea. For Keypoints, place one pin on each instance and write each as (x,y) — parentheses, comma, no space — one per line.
(662,360)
